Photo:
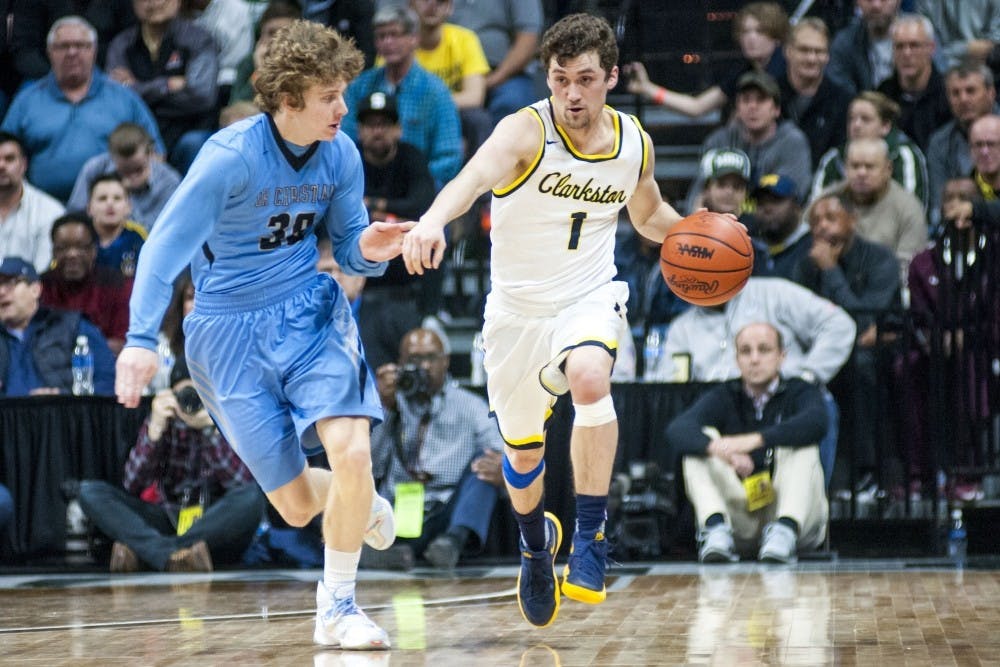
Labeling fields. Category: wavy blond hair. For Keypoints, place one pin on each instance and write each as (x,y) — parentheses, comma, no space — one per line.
(302,55)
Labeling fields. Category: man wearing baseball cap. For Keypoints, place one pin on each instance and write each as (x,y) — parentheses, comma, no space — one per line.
(778,224)
(727,175)
(756,129)
(36,343)
(398,185)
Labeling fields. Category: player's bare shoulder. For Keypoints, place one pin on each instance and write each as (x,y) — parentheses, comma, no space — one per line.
(516,143)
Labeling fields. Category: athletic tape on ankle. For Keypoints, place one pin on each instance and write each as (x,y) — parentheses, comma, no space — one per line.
(595,414)
(521,480)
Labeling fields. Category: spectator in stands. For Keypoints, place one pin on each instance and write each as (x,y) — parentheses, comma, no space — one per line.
(276,16)
(861,52)
(818,335)
(817,105)
(916,85)
(77,283)
(148,180)
(509,31)
(778,224)
(953,299)
(771,144)
(751,457)
(726,173)
(969,30)
(863,278)
(858,275)
(174,65)
(119,238)
(231,26)
(26,213)
(872,115)
(759,28)
(66,117)
(440,437)
(235,112)
(398,185)
(971,95)
(36,342)
(31,20)
(350,17)
(455,54)
(984,143)
(887,214)
(181,469)
(428,115)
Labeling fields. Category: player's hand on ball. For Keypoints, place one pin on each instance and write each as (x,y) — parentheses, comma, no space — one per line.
(423,247)
(133,371)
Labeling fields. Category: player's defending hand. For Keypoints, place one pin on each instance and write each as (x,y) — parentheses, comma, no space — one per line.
(133,371)
(423,247)
(381,241)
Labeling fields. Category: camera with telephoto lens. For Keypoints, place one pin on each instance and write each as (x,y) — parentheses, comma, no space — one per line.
(412,380)
(189,400)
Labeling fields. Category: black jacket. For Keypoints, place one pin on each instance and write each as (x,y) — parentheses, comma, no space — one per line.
(794,417)
(824,120)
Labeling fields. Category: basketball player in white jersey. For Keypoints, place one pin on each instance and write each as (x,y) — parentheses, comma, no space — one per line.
(560,171)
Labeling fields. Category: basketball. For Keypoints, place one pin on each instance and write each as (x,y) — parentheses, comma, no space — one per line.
(706,258)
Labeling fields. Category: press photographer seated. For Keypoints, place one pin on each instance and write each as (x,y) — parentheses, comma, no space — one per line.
(436,455)
(751,459)
(187,501)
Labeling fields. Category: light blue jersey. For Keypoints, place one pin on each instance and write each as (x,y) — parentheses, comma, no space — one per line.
(271,345)
(244,217)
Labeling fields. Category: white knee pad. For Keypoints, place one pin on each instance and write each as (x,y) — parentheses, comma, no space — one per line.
(595,414)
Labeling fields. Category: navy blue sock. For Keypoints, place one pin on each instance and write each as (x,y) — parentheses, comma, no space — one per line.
(790,522)
(532,526)
(591,512)
(714,520)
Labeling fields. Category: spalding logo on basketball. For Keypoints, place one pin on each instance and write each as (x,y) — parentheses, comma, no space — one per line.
(706,258)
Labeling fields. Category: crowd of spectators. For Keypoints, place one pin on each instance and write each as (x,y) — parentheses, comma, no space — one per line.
(842,145)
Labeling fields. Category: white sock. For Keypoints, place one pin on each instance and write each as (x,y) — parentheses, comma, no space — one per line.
(340,572)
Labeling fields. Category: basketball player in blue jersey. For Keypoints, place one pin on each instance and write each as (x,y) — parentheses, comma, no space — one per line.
(560,171)
(271,344)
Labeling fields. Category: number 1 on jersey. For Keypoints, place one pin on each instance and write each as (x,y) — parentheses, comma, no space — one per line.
(574,230)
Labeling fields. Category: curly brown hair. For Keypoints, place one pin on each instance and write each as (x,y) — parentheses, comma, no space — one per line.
(302,55)
(577,34)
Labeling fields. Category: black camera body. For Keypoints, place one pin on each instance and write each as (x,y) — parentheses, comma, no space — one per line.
(412,380)
(188,400)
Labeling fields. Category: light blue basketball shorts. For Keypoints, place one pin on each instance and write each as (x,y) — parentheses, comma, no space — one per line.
(269,366)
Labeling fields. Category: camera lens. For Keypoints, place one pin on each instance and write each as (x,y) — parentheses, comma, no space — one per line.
(189,400)
(412,380)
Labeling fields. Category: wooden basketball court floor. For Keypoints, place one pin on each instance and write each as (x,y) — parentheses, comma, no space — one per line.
(883,613)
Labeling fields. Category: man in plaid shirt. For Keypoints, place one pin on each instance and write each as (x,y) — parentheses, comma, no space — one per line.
(440,437)
(180,466)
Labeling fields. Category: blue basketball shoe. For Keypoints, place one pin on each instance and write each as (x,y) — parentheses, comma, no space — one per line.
(537,583)
(583,578)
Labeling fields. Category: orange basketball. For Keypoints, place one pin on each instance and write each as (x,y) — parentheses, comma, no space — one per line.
(706,258)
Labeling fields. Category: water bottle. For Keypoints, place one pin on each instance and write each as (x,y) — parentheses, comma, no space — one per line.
(83,368)
(957,538)
(166,364)
(651,354)
(477,372)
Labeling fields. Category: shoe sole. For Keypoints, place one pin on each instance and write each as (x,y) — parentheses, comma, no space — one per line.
(555,578)
(582,593)
(373,534)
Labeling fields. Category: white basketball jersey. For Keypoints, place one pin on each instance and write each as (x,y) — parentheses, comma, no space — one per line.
(553,228)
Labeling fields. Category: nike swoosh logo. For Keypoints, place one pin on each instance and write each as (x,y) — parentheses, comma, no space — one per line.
(547,142)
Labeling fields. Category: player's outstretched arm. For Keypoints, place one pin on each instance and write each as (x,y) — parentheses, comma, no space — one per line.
(381,241)
(651,216)
(508,151)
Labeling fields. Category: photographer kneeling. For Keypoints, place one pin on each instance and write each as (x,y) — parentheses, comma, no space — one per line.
(186,499)
(437,454)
